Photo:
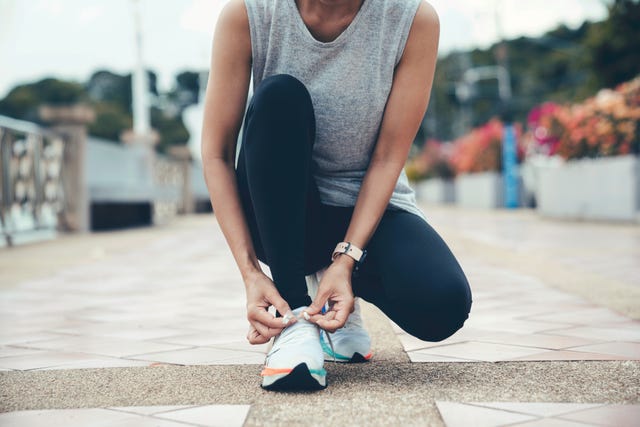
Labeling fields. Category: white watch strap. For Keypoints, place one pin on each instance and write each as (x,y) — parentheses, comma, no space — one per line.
(348,249)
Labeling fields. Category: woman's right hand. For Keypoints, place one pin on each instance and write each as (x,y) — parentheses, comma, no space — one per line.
(261,294)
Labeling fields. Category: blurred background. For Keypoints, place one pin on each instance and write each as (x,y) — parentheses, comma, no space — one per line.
(535,105)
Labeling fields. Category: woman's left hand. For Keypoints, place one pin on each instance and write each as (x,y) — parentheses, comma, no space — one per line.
(335,287)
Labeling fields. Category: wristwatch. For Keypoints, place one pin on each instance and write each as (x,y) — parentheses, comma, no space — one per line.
(353,251)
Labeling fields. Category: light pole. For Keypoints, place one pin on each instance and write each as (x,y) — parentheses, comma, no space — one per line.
(140,82)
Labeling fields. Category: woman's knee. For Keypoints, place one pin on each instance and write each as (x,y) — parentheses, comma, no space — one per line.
(281,93)
(435,326)
(436,314)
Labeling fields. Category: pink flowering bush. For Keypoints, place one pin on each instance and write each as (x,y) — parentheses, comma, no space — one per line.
(431,162)
(605,125)
(481,149)
(478,151)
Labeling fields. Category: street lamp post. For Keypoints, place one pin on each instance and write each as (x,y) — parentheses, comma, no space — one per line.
(140,83)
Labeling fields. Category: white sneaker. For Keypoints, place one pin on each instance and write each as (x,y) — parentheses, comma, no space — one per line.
(295,361)
(349,344)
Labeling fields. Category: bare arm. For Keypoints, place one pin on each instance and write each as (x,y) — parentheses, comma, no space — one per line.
(405,109)
(225,102)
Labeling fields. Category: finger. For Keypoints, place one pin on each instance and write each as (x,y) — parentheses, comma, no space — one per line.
(255,338)
(283,308)
(265,331)
(329,325)
(267,319)
(329,315)
(317,304)
(333,324)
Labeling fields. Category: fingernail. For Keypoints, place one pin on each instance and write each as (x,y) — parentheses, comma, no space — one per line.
(306,315)
(287,318)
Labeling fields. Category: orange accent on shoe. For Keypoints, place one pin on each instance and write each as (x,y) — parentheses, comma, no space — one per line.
(274,371)
(368,356)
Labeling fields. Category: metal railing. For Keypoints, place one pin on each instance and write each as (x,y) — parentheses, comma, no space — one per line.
(52,181)
(31,191)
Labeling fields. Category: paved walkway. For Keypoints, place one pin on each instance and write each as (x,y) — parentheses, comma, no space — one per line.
(146,327)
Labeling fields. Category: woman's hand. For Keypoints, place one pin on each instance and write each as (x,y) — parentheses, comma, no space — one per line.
(335,287)
(261,294)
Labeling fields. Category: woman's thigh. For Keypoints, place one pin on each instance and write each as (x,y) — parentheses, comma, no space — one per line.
(326,226)
(412,276)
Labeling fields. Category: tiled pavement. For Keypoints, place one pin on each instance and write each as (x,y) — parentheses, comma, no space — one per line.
(496,414)
(517,317)
(134,416)
(178,300)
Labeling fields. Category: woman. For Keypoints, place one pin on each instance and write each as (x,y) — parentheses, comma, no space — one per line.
(340,89)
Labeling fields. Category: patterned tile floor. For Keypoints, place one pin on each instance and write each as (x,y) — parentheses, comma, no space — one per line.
(523,414)
(160,305)
(134,416)
(136,308)
(183,304)
(517,317)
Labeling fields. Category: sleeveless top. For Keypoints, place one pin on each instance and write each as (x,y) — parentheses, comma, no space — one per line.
(349,80)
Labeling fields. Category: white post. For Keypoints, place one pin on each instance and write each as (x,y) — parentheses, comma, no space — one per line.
(140,84)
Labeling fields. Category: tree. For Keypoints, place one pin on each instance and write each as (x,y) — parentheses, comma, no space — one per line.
(613,45)
(111,121)
(110,87)
(171,128)
(22,102)
(105,86)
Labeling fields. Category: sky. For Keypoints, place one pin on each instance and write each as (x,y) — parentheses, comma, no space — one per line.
(70,39)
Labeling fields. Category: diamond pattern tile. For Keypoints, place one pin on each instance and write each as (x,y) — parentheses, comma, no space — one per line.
(158,305)
(537,414)
(463,415)
(536,323)
(142,416)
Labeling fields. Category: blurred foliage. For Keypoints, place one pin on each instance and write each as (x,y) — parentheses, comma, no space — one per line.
(604,125)
(110,96)
(614,45)
(110,121)
(22,102)
(563,65)
(433,161)
(188,87)
(171,128)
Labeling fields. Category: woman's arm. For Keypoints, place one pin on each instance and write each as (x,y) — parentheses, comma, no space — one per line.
(225,102)
(404,111)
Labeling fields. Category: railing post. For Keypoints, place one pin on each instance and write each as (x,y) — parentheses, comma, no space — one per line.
(71,123)
(182,155)
(5,184)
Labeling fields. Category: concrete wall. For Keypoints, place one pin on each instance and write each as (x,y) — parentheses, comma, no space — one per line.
(436,190)
(604,189)
(118,173)
(479,190)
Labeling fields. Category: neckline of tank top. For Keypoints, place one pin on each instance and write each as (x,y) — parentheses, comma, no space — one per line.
(342,37)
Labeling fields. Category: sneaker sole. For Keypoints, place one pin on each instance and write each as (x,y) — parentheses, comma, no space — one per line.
(330,356)
(299,378)
(356,358)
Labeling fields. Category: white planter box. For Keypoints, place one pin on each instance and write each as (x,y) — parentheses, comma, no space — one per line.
(435,190)
(479,190)
(603,189)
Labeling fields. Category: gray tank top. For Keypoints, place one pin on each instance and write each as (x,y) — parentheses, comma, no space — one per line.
(349,80)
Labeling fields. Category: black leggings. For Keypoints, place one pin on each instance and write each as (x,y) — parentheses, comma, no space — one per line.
(409,272)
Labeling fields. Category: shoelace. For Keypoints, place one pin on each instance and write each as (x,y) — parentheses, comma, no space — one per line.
(328,335)
(333,353)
